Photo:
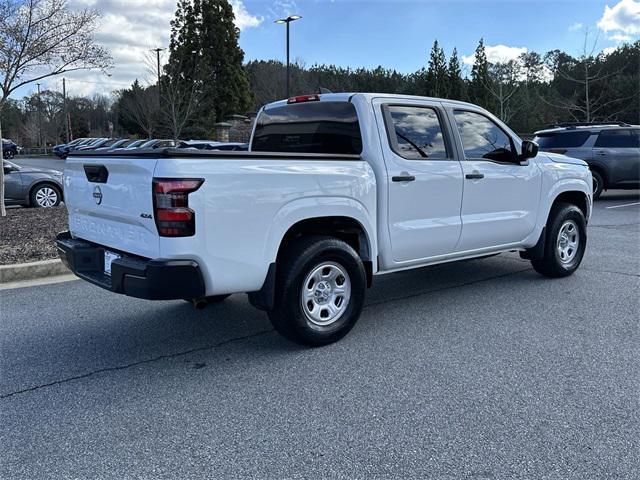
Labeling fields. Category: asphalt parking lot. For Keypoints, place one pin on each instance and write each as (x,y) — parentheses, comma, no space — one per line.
(480,369)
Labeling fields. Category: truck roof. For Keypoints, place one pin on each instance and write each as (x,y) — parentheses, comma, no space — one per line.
(346,96)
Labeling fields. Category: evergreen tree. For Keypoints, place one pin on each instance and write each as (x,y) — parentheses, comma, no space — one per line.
(480,77)
(455,83)
(437,72)
(204,49)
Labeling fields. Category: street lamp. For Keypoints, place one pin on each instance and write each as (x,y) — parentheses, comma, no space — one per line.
(158,50)
(288,20)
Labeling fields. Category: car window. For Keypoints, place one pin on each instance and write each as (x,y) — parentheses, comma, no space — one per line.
(416,133)
(482,138)
(561,139)
(310,127)
(617,139)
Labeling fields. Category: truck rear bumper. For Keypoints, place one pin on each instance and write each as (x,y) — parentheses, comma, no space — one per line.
(157,279)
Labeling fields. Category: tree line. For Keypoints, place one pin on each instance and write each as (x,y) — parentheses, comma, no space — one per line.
(204,79)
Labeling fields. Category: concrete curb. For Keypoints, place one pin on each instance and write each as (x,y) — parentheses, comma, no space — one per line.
(33,270)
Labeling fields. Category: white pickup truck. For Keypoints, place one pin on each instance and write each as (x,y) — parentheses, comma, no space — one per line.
(336,189)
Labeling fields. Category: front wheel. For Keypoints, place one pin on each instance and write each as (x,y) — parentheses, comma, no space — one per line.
(8,155)
(45,195)
(565,242)
(320,292)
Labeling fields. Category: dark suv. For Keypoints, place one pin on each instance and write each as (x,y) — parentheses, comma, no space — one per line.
(611,150)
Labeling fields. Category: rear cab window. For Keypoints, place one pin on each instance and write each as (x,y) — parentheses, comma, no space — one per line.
(547,140)
(309,127)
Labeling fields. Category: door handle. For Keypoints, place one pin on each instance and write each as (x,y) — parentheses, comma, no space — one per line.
(403,178)
(601,153)
(474,176)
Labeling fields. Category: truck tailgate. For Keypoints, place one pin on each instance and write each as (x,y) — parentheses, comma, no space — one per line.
(110,202)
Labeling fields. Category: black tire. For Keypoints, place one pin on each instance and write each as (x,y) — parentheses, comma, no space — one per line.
(598,184)
(289,315)
(8,155)
(563,217)
(41,187)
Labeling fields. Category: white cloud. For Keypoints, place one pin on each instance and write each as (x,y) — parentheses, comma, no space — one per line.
(620,37)
(497,53)
(575,27)
(243,18)
(129,29)
(622,18)
(608,50)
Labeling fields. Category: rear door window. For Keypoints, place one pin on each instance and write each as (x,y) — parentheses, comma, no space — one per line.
(617,139)
(562,139)
(416,132)
(311,127)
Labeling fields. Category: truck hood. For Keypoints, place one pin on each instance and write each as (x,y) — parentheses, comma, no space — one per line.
(558,158)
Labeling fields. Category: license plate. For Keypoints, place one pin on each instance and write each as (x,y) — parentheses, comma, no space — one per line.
(109,257)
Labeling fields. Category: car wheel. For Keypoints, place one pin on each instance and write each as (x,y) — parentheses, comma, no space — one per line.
(598,184)
(320,291)
(8,155)
(45,195)
(565,242)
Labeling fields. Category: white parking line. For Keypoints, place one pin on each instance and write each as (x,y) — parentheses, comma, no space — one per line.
(625,205)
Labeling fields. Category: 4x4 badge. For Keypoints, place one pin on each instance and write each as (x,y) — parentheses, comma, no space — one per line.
(97,195)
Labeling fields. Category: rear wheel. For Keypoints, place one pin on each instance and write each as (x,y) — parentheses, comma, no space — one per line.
(598,184)
(320,291)
(8,155)
(45,195)
(565,242)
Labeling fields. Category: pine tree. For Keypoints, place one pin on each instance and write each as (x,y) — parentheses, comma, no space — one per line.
(437,72)
(480,77)
(204,49)
(455,83)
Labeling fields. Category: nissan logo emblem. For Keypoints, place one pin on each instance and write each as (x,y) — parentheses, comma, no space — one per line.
(97,195)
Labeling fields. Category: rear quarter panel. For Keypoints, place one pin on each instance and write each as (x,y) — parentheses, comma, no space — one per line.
(244,208)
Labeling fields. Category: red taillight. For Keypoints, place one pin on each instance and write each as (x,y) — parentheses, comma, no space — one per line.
(304,98)
(173,216)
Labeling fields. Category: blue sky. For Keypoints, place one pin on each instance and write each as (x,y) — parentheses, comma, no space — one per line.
(399,33)
(394,33)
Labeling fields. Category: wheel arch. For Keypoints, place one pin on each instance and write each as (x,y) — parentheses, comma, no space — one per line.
(39,182)
(349,226)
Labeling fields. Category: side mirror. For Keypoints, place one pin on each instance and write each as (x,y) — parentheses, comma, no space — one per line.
(529,149)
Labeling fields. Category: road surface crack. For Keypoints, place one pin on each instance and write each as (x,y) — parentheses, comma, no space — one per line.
(236,339)
(133,364)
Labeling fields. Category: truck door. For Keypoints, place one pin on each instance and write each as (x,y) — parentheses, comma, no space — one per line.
(424,179)
(501,193)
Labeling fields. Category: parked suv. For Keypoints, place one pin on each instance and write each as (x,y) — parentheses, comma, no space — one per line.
(611,150)
(9,148)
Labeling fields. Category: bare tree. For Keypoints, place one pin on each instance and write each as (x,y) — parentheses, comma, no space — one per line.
(502,84)
(585,71)
(140,105)
(178,95)
(40,39)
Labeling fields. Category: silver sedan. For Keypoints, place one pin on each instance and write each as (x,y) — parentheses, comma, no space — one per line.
(32,187)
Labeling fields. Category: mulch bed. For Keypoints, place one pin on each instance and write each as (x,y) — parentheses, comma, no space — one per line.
(29,234)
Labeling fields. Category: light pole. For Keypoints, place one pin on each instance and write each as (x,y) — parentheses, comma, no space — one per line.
(39,117)
(287,21)
(158,50)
